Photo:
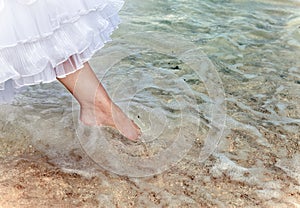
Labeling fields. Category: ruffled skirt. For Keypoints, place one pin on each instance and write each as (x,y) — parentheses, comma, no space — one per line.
(41,40)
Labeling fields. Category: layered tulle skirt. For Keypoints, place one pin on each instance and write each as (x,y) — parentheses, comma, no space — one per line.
(41,40)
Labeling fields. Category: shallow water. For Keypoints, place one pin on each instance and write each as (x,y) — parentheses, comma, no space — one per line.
(246,52)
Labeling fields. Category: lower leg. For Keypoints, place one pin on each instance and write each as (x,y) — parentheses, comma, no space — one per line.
(96,107)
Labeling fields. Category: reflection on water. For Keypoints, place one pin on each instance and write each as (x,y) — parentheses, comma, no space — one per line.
(255,47)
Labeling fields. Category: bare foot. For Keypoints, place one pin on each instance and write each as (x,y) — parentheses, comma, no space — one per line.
(96,105)
(110,115)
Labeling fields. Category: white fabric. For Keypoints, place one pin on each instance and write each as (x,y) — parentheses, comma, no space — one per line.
(44,39)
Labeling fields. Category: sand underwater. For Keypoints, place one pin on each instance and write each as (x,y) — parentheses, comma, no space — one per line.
(220,79)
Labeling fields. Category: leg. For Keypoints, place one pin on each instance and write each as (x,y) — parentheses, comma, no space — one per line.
(96,107)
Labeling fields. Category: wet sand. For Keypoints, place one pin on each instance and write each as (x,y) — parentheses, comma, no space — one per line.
(251,176)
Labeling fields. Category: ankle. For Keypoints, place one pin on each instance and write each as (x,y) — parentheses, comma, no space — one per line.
(96,104)
(96,113)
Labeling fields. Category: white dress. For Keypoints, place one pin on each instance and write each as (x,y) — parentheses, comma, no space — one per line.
(44,39)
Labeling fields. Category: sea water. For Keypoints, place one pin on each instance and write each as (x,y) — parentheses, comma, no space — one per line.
(223,76)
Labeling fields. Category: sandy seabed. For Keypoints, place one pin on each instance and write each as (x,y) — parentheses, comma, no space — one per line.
(42,164)
(30,179)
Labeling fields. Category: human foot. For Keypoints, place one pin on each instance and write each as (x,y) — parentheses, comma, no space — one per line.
(110,115)
(126,126)
(96,106)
